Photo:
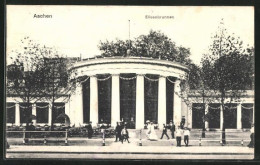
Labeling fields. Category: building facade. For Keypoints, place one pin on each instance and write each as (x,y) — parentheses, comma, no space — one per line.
(133,90)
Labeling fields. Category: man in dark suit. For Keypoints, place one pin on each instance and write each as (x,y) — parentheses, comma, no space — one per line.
(118,132)
(164,132)
(172,128)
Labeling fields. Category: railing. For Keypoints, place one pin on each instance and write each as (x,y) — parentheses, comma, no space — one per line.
(228,137)
(34,135)
(46,135)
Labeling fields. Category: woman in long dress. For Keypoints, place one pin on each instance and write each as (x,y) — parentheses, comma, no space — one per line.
(148,129)
(152,135)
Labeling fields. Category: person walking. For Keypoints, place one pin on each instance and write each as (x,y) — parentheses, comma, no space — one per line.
(186,136)
(152,135)
(125,135)
(252,136)
(118,132)
(148,132)
(178,136)
(172,128)
(164,132)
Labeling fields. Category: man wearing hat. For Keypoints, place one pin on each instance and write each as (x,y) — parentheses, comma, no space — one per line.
(118,131)
(164,132)
(172,128)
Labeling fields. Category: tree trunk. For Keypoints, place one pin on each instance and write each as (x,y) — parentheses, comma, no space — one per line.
(223,134)
(27,109)
(203,134)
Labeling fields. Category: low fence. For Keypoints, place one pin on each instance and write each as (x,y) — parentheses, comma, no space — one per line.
(229,136)
(44,136)
(39,135)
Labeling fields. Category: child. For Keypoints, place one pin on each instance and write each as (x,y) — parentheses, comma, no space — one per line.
(124,134)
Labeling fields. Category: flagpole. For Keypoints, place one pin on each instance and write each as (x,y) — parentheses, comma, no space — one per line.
(129,46)
(129,36)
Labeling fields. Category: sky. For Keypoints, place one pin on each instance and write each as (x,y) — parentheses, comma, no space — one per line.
(77,30)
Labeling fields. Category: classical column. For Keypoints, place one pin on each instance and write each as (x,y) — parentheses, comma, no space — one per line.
(115,100)
(253,114)
(17,114)
(162,102)
(139,102)
(93,100)
(206,112)
(77,105)
(221,117)
(190,118)
(67,108)
(34,113)
(177,104)
(239,116)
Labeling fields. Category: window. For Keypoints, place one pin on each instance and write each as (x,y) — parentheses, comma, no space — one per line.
(42,111)
(198,112)
(247,115)
(10,112)
(214,115)
(59,108)
(25,112)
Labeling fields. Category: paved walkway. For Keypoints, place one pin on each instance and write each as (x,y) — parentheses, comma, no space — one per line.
(130,151)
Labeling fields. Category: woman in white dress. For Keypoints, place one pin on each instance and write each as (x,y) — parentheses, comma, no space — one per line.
(148,129)
(152,135)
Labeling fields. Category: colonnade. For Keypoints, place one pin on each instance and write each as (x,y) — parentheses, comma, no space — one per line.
(77,101)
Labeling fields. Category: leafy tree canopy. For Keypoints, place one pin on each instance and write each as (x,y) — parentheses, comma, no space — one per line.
(156,45)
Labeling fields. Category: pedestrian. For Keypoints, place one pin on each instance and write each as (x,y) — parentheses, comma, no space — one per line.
(178,136)
(118,132)
(152,135)
(124,135)
(172,128)
(252,136)
(102,128)
(148,132)
(90,130)
(186,136)
(164,132)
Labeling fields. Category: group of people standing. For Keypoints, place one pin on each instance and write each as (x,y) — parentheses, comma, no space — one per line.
(121,133)
(151,135)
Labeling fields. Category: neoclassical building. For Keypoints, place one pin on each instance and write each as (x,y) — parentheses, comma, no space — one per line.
(129,89)
(134,90)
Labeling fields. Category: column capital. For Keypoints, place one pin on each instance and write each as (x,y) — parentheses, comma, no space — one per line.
(140,75)
(177,81)
(162,76)
(92,76)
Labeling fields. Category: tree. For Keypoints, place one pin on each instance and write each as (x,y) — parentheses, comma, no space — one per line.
(229,69)
(199,88)
(39,73)
(23,75)
(56,79)
(155,45)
